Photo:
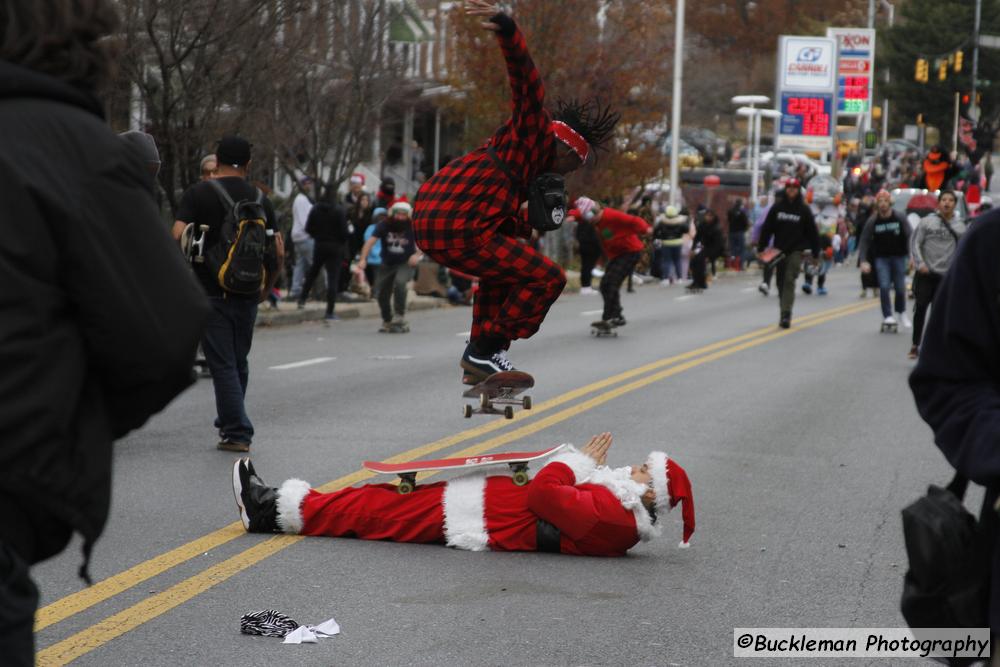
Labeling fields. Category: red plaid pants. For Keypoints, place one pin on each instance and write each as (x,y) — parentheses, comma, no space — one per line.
(517,285)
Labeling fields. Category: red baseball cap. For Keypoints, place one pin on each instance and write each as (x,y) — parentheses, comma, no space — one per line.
(793,183)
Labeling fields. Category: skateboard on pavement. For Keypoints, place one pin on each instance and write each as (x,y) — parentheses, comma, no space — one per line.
(602,328)
(193,242)
(500,389)
(890,328)
(518,462)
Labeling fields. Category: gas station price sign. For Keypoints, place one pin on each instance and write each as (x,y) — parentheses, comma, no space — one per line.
(806,114)
(853,94)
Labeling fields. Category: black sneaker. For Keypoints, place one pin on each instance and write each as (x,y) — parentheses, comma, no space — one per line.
(807,288)
(482,366)
(617,321)
(786,321)
(258,503)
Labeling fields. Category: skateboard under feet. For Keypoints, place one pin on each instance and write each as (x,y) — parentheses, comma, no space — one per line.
(601,328)
(396,328)
(889,328)
(499,389)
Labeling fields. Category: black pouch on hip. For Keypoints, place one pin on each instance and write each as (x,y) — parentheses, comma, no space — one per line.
(547,202)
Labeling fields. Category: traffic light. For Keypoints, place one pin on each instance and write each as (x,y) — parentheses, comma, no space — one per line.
(921,74)
(965,98)
(942,70)
(958,61)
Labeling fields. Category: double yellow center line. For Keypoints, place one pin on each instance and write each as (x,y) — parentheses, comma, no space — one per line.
(114,626)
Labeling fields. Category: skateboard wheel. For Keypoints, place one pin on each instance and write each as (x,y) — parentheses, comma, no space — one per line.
(520,478)
(526,402)
(467,410)
(405,486)
(484,401)
(508,412)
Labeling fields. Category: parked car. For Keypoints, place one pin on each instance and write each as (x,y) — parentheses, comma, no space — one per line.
(690,157)
(714,149)
(824,189)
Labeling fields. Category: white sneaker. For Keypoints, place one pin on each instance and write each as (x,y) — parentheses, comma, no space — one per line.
(889,320)
(588,290)
(666,282)
(905,320)
(597,273)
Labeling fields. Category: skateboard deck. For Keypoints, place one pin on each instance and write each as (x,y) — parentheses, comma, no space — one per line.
(771,256)
(890,328)
(518,462)
(500,389)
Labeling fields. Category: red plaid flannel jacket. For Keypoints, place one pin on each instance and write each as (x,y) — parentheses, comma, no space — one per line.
(470,199)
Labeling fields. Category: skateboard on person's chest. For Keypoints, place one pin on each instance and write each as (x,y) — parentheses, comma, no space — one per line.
(500,389)
(517,461)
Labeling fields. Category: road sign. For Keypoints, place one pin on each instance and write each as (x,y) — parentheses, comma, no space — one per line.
(855,70)
(806,87)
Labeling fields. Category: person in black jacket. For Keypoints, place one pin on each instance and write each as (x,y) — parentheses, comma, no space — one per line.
(708,245)
(885,246)
(78,371)
(327,224)
(589,246)
(956,383)
(739,223)
(791,224)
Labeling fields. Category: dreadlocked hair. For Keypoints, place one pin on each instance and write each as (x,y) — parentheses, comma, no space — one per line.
(593,122)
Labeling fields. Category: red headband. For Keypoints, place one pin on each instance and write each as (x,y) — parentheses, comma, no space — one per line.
(571,138)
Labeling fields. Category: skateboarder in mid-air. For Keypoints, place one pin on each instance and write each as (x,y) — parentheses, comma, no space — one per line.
(466,216)
(574,505)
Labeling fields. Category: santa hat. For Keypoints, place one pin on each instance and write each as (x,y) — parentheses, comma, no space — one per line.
(672,486)
(357,179)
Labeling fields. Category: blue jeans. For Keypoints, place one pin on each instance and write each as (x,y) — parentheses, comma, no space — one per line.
(891,271)
(226,342)
(738,248)
(303,260)
(668,258)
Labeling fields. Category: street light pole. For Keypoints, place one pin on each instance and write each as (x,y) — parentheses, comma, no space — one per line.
(675,116)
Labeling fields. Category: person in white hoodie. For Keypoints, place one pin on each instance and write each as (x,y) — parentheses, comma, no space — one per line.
(304,244)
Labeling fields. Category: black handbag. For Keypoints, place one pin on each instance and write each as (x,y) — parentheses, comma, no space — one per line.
(949,550)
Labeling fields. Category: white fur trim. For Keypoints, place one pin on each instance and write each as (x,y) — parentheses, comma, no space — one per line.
(581,464)
(657,465)
(684,545)
(290,496)
(464,506)
(619,481)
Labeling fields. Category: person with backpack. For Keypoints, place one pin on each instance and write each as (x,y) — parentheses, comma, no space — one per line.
(327,226)
(244,258)
(932,248)
(399,257)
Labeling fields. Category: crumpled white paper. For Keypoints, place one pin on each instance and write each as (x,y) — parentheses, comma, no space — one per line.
(311,634)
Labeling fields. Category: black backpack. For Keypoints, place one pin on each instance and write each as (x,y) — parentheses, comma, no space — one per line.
(238,259)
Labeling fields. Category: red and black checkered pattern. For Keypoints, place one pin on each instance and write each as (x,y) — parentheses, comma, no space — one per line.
(517,285)
(470,198)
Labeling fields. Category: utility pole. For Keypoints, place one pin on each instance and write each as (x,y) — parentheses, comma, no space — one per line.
(973,107)
(675,116)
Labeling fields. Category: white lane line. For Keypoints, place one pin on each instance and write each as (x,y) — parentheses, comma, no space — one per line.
(391,357)
(588,313)
(684,298)
(749,289)
(300,364)
(464,333)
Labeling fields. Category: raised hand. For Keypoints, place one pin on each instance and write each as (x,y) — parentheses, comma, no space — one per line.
(483,8)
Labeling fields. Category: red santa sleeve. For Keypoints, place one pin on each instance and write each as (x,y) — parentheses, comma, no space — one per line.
(554,497)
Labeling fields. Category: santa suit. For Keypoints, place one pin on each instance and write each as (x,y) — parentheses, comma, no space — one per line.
(465,216)
(595,510)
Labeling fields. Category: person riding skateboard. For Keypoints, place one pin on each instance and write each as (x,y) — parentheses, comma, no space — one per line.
(466,216)
(621,237)
(574,505)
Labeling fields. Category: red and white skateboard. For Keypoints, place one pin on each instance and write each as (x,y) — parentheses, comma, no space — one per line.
(407,471)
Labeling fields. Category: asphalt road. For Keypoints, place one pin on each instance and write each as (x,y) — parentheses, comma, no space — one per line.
(802,447)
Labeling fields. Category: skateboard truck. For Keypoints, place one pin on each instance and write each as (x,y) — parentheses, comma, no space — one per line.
(500,389)
(407,481)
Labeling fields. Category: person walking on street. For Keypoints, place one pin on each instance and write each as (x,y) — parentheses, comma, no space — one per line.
(374,259)
(327,227)
(709,244)
(668,241)
(792,228)
(467,215)
(303,244)
(887,235)
(101,313)
(229,334)
(621,237)
(739,224)
(589,247)
(399,257)
(932,247)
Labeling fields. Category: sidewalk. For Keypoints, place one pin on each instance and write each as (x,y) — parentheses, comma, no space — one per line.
(287,313)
